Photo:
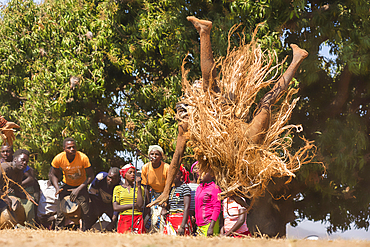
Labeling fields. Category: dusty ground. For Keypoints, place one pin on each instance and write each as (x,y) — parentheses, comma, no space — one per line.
(45,238)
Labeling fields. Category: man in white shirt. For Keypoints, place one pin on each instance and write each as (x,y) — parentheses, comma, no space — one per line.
(48,204)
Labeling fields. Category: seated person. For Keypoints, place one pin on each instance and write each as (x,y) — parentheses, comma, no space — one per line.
(177,212)
(123,202)
(235,216)
(101,193)
(14,171)
(29,181)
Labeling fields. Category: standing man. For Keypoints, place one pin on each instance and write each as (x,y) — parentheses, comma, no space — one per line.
(77,174)
(101,195)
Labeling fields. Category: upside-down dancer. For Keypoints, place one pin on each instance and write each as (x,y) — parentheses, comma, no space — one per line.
(255,132)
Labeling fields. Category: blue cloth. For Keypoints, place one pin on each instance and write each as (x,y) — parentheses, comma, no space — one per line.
(26,169)
(100,184)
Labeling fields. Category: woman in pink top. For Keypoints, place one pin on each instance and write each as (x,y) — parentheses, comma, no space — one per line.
(207,205)
(235,216)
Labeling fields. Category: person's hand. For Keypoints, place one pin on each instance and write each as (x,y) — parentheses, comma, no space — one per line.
(137,207)
(7,132)
(181,231)
(164,212)
(163,198)
(74,194)
(138,180)
(210,232)
(58,191)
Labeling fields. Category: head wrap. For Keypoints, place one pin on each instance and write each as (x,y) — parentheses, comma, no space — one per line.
(124,169)
(185,174)
(157,148)
(192,166)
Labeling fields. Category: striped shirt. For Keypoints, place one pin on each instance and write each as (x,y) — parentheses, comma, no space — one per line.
(177,195)
(193,187)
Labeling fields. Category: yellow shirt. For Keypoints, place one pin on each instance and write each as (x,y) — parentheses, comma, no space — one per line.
(74,173)
(155,177)
(123,197)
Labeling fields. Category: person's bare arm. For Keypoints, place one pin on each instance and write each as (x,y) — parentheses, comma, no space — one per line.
(139,198)
(121,208)
(30,178)
(175,164)
(89,179)
(238,223)
(54,174)
(185,217)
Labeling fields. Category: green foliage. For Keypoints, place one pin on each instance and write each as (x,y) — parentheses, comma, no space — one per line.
(127,57)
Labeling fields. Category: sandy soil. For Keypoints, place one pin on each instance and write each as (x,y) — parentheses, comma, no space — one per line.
(45,238)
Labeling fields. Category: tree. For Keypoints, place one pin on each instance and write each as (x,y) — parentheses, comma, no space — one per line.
(108,73)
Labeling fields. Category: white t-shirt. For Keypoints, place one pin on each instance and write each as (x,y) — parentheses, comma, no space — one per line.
(48,203)
(231,215)
(193,187)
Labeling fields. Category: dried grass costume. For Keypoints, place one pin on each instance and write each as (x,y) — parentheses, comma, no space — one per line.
(244,149)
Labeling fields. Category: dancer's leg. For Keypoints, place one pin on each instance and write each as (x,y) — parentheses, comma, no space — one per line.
(206,56)
(260,122)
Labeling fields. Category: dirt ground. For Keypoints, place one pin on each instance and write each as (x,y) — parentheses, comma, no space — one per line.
(45,238)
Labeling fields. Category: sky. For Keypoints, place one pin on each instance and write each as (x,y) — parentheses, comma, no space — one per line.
(309,228)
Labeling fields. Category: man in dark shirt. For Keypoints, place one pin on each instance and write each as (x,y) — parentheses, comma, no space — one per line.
(14,171)
(101,192)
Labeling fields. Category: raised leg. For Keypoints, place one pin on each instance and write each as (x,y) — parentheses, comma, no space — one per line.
(206,55)
(260,122)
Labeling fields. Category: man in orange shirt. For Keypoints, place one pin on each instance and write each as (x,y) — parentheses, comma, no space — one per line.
(77,174)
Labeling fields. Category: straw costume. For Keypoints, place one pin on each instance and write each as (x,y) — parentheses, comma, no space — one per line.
(244,148)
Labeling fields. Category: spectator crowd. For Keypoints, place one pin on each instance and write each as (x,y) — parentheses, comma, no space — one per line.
(76,199)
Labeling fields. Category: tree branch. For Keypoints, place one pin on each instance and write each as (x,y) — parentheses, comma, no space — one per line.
(108,120)
(337,105)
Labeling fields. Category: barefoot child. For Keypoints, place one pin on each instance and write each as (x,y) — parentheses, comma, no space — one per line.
(122,202)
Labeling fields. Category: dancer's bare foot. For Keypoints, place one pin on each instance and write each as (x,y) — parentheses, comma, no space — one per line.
(200,25)
(298,53)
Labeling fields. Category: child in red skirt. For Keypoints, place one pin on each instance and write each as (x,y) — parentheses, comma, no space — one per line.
(177,214)
(122,202)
